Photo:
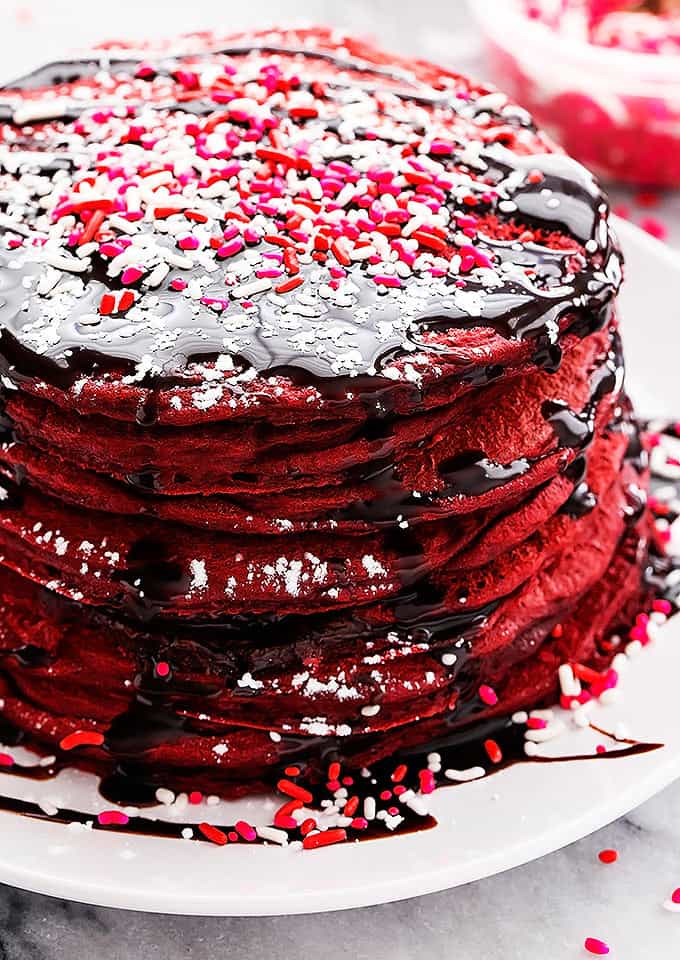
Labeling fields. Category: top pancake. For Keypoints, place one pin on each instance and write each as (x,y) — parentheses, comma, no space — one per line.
(274,228)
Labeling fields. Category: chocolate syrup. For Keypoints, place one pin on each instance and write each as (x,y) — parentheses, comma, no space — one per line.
(460,750)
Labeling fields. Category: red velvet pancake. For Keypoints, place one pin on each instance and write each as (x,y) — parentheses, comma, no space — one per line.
(313,421)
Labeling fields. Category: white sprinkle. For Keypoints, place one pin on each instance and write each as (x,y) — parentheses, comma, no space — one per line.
(272,834)
(463,776)
(246,290)
(370,711)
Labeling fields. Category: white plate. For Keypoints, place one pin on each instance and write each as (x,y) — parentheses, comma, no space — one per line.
(484,827)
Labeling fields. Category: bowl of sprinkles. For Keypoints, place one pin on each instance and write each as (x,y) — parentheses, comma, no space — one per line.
(603,76)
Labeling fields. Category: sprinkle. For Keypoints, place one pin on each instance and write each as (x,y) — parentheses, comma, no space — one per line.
(291,789)
(81,738)
(273,835)
(113,817)
(493,751)
(214,834)
(427,781)
(6,760)
(463,776)
(246,831)
(289,285)
(230,249)
(598,947)
(107,304)
(195,797)
(131,275)
(488,695)
(608,856)
(162,668)
(245,290)
(188,242)
(325,839)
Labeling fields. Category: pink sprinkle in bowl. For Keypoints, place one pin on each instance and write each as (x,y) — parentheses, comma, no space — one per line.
(615,110)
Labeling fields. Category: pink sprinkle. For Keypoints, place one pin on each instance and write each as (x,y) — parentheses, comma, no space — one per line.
(639,633)
(675,896)
(189,242)
(598,947)
(178,284)
(488,695)
(162,668)
(427,783)
(6,760)
(245,830)
(387,281)
(131,275)
(441,147)
(662,606)
(229,249)
(113,816)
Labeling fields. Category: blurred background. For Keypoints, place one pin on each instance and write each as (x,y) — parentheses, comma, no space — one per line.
(39,29)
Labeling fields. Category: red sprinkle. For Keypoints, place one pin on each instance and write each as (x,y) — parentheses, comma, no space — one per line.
(325,839)
(195,797)
(289,285)
(81,738)
(399,773)
(213,834)
(608,856)
(494,752)
(675,896)
(162,668)
(291,789)
(6,760)
(488,695)
(107,304)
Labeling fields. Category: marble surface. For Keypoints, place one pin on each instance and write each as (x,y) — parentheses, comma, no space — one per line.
(542,911)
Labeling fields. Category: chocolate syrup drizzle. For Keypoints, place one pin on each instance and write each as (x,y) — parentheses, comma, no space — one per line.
(460,749)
